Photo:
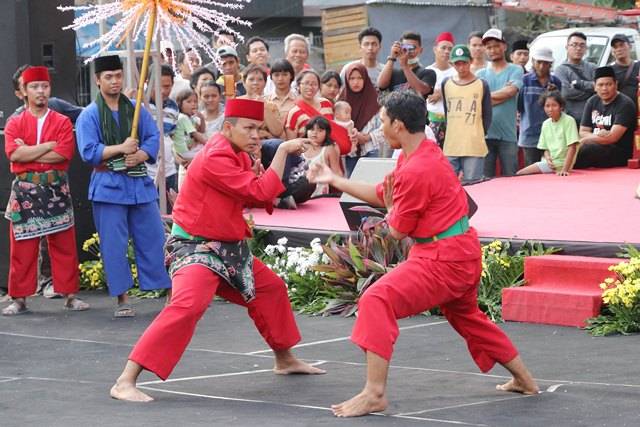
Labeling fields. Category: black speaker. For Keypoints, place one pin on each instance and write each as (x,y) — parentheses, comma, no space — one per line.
(373,171)
(31,33)
(5,188)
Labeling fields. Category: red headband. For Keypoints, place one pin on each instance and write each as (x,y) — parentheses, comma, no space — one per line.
(35,74)
(244,108)
(444,37)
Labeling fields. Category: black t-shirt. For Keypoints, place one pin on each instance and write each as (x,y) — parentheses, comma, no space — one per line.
(399,81)
(621,111)
(628,86)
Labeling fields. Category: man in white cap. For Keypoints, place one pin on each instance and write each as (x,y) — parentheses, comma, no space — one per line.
(532,113)
(505,81)
(230,67)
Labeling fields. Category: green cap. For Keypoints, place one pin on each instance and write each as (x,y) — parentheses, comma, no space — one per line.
(460,52)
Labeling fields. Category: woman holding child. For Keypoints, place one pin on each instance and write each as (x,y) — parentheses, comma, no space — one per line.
(309,105)
(362,96)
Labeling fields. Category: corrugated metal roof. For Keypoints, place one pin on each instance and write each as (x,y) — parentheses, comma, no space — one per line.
(327,4)
(433,2)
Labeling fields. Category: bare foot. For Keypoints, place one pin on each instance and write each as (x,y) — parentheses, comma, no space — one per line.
(516,386)
(128,392)
(296,366)
(360,404)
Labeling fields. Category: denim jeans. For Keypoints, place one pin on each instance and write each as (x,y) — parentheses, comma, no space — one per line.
(472,168)
(507,152)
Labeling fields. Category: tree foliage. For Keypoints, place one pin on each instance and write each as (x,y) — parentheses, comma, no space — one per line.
(618,4)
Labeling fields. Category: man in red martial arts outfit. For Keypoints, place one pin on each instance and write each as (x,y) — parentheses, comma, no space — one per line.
(424,200)
(207,253)
(39,144)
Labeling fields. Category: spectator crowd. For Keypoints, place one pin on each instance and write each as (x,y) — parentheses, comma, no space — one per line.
(493,109)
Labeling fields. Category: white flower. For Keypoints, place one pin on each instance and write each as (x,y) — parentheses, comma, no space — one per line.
(282,241)
(270,250)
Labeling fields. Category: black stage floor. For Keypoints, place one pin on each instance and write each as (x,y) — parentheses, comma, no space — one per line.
(56,369)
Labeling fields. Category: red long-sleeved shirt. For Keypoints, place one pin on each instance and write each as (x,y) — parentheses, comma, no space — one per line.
(219,185)
(56,128)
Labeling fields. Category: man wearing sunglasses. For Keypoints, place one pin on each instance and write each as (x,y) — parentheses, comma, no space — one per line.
(411,74)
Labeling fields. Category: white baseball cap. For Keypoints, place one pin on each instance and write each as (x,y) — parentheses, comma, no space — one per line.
(166,44)
(542,53)
(493,33)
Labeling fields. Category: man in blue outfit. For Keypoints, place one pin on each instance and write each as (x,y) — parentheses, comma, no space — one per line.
(124,197)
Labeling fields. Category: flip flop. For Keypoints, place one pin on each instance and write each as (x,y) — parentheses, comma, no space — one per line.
(15,309)
(124,310)
(76,304)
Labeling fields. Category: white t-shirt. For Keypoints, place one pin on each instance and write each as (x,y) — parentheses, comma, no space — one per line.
(40,126)
(438,107)
(169,161)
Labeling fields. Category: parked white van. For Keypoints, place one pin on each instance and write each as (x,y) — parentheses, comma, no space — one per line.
(598,43)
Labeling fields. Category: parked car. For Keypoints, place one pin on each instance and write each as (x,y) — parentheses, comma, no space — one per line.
(598,43)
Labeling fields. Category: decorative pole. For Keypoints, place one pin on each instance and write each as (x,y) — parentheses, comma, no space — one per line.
(145,67)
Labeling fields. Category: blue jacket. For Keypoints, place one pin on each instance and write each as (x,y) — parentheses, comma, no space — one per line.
(532,114)
(116,187)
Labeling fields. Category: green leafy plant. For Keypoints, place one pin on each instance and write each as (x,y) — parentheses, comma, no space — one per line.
(621,296)
(93,276)
(307,289)
(357,262)
(502,268)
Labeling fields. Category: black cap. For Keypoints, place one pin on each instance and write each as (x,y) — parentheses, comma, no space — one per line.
(619,38)
(107,63)
(520,45)
(604,72)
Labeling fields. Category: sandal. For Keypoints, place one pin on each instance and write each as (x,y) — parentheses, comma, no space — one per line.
(76,304)
(15,309)
(124,310)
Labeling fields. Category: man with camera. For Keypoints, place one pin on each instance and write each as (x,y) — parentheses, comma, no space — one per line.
(576,76)
(411,74)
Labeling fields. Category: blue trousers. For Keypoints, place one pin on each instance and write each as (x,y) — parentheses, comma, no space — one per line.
(142,223)
(471,168)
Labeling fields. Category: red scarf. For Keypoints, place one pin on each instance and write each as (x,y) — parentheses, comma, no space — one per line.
(338,133)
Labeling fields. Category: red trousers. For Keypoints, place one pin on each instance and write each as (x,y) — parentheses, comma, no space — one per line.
(23,263)
(161,346)
(418,285)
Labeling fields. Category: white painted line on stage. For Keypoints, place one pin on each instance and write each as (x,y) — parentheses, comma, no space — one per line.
(463,405)
(8,380)
(294,405)
(202,377)
(229,374)
(437,420)
(259,354)
(308,344)
(40,337)
(64,380)
(553,388)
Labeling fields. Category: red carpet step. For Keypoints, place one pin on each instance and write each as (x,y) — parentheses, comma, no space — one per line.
(560,290)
